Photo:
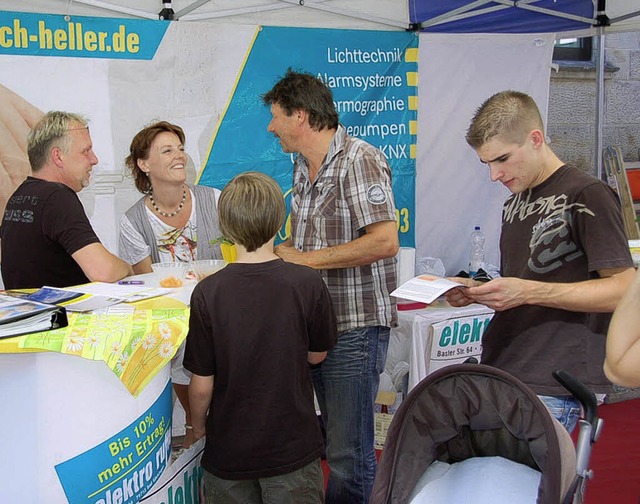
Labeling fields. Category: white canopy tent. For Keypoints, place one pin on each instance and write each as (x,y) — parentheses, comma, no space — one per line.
(595,17)
(614,15)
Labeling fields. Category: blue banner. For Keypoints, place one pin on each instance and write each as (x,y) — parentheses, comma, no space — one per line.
(124,467)
(373,77)
(28,34)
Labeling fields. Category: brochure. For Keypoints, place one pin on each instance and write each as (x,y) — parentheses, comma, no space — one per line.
(23,316)
(52,295)
(126,292)
(91,297)
(425,288)
(73,300)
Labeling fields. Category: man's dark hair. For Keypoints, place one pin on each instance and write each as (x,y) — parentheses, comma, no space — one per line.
(303,91)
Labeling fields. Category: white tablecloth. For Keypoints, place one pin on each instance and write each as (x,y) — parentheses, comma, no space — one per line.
(434,337)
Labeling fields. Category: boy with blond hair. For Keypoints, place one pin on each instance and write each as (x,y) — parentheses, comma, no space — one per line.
(254,329)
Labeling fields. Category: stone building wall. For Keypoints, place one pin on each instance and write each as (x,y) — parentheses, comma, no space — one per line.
(572,104)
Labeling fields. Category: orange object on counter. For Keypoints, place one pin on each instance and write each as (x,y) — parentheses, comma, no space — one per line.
(171,282)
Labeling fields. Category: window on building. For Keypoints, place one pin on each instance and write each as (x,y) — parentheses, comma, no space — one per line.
(573,49)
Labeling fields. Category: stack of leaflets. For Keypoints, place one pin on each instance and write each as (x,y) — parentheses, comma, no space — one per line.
(19,315)
(125,291)
(25,312)
(94,296)
(74,301)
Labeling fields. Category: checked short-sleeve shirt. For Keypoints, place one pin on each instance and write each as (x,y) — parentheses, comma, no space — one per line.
(352,190)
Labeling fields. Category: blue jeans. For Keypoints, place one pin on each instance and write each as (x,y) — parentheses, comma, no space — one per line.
(346,384)
(564,409)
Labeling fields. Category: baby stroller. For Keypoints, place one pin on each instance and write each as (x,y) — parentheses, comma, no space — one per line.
(472,410)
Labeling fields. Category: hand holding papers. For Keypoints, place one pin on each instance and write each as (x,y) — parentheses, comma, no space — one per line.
(425,288)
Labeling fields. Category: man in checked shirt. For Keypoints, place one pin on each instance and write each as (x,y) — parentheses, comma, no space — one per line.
(343,224)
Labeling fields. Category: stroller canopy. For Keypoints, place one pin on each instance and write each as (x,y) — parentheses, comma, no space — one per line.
(472,410)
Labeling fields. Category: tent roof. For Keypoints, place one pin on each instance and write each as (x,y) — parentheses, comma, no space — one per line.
(485,16)
(525,16)
(361,14)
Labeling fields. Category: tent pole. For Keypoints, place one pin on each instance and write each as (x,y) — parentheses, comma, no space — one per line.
(347,13)
(118,8)
(217,14)
(599,124)
(189,8)
(289,4)
(625,17)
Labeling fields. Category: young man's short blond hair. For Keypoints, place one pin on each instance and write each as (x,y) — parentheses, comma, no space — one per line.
(509,115)
(251,209)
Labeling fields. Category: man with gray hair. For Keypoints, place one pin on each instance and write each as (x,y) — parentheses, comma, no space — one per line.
(46,237)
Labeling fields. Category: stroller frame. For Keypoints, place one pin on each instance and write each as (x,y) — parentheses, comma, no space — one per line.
(471,410)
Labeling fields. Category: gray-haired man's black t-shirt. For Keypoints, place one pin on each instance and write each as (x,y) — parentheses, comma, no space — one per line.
(43,224)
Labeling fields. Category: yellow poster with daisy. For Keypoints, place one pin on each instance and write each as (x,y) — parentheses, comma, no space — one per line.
(134,343)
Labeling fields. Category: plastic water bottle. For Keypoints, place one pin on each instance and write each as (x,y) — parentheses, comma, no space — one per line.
(476,259)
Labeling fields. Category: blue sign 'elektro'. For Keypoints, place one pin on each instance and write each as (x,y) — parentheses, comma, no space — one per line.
(123,468)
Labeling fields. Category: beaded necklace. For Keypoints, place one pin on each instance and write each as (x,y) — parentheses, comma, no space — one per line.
(165,214)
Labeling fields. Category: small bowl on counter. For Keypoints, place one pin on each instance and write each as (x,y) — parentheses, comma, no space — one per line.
(170,274)
(202,268)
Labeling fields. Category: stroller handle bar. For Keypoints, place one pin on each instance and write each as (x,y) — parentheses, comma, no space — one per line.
(580,391)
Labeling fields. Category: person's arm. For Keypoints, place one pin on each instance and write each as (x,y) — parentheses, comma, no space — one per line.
(133,248)
(379,242)
(316,357)
(596,295)
(100,265)
(322,324)
(143,266)
(622,361)
(200,393)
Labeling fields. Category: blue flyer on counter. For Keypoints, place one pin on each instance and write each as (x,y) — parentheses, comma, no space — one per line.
(51,295)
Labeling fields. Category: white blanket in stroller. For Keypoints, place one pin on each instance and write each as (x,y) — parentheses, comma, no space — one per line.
(478,480)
